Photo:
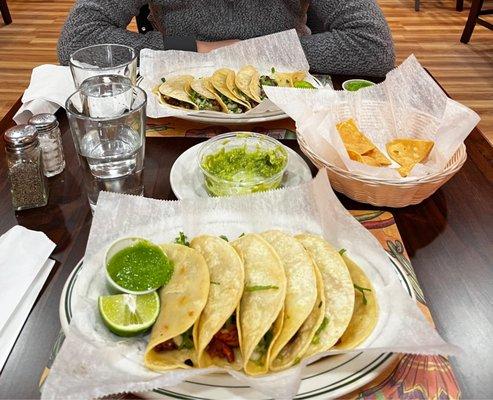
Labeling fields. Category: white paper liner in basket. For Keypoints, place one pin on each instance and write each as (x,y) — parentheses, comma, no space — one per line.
(281,50)
(408,104)
(93,362)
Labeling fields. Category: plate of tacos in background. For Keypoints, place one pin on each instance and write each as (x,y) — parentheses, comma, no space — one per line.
(224,94)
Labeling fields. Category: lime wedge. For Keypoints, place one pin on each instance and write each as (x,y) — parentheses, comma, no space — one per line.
(129,314)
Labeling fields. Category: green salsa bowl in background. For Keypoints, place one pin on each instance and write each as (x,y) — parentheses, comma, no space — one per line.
(353,85)
(237,163)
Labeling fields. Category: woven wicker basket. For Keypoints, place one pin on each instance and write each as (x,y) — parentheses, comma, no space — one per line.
(381,192)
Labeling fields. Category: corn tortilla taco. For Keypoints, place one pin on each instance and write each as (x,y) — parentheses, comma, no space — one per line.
(173,92)
(338,291)
(171,343)
(216,333)
(262,301)
(301,296)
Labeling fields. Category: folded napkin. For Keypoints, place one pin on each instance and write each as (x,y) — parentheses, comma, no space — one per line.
(24,267)
(49,88)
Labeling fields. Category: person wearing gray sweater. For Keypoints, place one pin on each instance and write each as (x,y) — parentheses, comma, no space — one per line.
(348,37)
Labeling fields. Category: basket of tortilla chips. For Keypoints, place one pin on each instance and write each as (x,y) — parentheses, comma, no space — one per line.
(392,144)
(387,193)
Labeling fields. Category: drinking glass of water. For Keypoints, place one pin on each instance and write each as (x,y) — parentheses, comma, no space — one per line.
(107,121)
(103,59)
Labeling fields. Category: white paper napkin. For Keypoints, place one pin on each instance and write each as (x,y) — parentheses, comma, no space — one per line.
(24,267)
(49,88)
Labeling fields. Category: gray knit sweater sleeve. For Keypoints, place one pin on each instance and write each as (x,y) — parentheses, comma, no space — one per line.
(348,37)
(105,21)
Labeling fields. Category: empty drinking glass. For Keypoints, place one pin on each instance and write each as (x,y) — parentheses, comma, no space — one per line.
(110,145)
(103,59)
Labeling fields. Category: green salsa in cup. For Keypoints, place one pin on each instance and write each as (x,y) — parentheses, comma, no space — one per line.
(137,266)
(353,85)
(241,163)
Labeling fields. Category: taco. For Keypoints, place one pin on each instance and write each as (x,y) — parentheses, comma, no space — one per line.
(283,79)
(173,92)
(365,314)
(338,290)
(201,94)
(223,82)
(182,300)
(243,81)
(216,335)
(261,306)
(301,296)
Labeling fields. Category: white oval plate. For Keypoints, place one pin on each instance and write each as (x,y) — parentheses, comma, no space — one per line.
(187,181)
(327,378)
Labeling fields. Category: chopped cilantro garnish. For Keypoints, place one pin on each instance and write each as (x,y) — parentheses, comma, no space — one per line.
(224,238)
(362,290)
(182,239)
(342,251)
(323,325)
(256,288)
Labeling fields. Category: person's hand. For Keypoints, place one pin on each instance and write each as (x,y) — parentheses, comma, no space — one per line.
(205,47)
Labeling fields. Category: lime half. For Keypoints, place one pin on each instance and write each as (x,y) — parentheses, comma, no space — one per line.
(129,314)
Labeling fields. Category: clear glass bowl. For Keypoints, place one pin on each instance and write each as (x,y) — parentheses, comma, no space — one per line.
(237,163)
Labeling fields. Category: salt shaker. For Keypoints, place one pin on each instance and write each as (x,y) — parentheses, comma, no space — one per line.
(25,164)
(50,141)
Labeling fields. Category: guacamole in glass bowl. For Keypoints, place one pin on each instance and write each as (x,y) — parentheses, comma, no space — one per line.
(242,162)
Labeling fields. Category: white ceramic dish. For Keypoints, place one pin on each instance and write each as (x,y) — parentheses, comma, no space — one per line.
(187,181)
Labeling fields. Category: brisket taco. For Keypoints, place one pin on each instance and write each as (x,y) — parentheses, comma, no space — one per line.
(171,343)
(216,335)
(261,306)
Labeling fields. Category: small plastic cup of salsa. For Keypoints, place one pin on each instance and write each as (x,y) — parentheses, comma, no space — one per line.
(353,85)
(239,163)
(136,266)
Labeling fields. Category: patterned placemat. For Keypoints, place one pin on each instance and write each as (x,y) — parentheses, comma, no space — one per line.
(176,127)
(410,376)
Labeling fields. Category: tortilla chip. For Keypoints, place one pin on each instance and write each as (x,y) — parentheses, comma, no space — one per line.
(353,139)
(409,152)
(375,157)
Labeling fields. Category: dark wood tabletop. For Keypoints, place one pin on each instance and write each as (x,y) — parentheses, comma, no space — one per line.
(449,238)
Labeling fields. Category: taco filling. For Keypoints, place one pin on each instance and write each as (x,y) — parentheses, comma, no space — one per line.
(203,102)
(260,351)
(225,341)
(180,342)
(266,80)
(177,103)
(233,107)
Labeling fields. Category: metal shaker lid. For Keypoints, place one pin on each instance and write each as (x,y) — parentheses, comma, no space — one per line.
(20,136)
(43,122)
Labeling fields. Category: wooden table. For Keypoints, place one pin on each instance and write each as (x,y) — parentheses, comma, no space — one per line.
(449,238)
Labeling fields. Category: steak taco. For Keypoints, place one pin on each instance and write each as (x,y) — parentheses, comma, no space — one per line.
(216,333)
(173,92)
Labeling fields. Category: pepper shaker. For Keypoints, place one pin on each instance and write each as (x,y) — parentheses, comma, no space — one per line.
(50,141)
(25,165)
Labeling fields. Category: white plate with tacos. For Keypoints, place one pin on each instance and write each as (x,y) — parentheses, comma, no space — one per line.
(260,303)
(223,95)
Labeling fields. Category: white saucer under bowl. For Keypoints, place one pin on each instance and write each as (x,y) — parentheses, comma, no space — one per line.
(187,181)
